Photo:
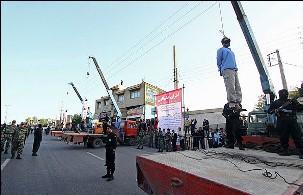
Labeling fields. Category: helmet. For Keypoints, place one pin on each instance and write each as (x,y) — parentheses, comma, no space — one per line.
(14,121)
(225,40)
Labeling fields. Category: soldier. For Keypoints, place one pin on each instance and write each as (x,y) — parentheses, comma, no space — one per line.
(151,137)
(3,128)
(111,145)
(18,141)
(8,134)
(168,138)
(286,110)
(161,140)
(37,140)
(140,139)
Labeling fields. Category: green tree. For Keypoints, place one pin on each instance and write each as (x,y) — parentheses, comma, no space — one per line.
(294,94)
(261,103)
(76,119)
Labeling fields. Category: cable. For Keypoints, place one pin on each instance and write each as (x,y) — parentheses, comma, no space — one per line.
(147,35)
(266,173)
(204,11)
(158,34)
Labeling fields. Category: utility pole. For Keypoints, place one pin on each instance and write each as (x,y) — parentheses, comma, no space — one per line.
(176,81)
(6,110)
(284,84)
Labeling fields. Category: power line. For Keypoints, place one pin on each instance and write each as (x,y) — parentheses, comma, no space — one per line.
(147,35)
(204,11)
(158,34)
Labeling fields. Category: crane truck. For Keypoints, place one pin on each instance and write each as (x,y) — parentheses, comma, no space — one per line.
(126,130)
(221,170)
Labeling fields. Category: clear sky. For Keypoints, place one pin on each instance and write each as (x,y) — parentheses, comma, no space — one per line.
(45,45)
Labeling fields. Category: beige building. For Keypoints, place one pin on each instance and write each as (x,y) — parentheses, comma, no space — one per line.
(137,101)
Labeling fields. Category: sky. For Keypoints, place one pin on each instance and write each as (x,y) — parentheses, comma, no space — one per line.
(45,45)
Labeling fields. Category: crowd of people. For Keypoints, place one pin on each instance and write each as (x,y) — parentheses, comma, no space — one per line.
(14,136)
(170,140)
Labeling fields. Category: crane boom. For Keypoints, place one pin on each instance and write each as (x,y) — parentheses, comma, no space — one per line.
(106,86)
(266,83)
(75,89)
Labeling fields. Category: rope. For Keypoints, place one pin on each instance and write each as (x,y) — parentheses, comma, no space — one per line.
(222,27)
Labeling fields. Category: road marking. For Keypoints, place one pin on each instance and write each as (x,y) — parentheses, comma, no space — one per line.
(90,154)
(4,163)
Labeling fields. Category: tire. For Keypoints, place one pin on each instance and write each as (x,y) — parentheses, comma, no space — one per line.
(97,143)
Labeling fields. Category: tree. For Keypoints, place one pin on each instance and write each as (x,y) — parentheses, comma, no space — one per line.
(293,94)
(76,119)
(261,102)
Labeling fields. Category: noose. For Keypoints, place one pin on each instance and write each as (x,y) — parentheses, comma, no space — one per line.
(221,19)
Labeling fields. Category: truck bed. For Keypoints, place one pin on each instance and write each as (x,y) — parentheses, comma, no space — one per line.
(219,171)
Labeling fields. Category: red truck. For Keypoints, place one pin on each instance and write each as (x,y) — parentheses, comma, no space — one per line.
(126,134)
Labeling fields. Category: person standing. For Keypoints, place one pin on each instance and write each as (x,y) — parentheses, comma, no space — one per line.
(19,135)
(232,127)
(161,140)
(227,67)
(200,136)
(111,145)
(8,135)
(174,140)
(37,140)
(287,124)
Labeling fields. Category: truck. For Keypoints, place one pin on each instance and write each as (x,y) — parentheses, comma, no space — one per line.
(222,170)
(126,130)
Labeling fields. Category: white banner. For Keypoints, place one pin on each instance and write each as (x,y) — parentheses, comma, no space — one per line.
(169,109)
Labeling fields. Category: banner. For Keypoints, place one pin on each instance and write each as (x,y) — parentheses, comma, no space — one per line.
(169,109)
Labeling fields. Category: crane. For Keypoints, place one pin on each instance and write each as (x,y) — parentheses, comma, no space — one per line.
(266,83)
(109,91)
(77,92)
(84,105)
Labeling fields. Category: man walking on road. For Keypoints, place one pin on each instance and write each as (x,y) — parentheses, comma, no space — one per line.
(37,140)
(227,67)
(18,140)
(111,145)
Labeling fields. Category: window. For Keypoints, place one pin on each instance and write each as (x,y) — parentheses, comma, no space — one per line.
(134,94)
(106,102)
(98,105)
(120,98)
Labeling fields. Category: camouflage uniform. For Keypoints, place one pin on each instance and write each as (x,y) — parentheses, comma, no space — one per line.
(168,145)
(161,141)
(140,139)
(18,141)
(8,134)
(2,138)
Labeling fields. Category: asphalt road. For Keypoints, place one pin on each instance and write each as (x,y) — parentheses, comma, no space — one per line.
(63,169)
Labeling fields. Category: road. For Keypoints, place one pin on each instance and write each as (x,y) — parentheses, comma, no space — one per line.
(63,169)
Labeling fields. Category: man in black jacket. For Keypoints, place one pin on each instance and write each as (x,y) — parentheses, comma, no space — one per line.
(286,110)
(233,132)
(111,145)
(37,139)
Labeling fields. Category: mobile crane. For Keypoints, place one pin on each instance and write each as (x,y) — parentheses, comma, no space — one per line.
(126,130)
(190,172)
(84,106)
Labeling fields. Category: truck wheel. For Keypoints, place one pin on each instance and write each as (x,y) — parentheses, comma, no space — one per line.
(97,143)
(132,142)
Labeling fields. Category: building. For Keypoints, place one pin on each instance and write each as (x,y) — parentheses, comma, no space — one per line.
(137,101)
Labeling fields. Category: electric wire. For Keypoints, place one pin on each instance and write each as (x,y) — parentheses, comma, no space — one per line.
(204,11)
